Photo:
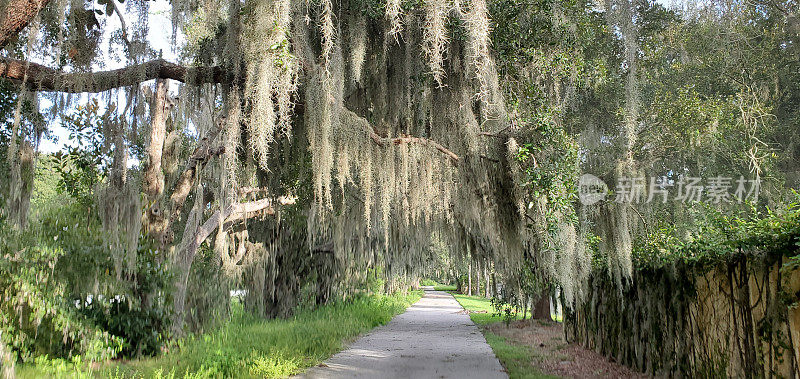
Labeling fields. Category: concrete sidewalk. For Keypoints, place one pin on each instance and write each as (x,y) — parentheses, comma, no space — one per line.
(434,338)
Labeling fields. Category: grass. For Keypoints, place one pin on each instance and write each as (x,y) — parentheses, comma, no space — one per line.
(247,347)
(517,359)
(484,312)
(277,348)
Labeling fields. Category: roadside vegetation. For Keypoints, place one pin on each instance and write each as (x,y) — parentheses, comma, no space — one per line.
(535,348)
(249,347)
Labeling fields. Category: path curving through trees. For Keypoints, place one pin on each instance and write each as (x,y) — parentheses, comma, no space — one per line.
(434,338)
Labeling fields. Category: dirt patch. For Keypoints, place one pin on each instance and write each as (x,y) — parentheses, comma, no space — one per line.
(553,356)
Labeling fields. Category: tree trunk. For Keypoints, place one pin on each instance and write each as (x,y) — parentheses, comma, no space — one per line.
(469,279)
(525,300)
(541,309)
(154,222)
(494,285)
(486,275)
(16,16)
(478,277)
(182,263)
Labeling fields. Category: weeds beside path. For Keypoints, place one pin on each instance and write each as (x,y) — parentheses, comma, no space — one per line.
(249,347)
(275,348)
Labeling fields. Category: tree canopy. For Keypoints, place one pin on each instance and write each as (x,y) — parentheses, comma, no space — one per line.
(298,149)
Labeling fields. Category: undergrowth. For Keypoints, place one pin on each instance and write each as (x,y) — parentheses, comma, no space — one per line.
(248,347)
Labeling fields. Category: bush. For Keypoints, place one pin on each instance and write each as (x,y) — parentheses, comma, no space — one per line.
(504,310)
(428,282)
(62,298)
(718,235)
(38,314)
(143,328)
(375,283)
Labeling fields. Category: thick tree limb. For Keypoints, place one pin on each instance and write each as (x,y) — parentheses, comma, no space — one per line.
(349,117)
(238,211)
(186,180)
(489,159)
(411,139)
(512,127)
(183,186)
(231,214)
(16,15)
(490,134)
(243,191)
(326,247)
(43,78)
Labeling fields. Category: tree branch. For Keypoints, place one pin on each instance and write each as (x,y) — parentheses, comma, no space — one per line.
(43,78)
(183,186)
(231,214)
(350,118)
(123,26)
(499,134)
(411,139)
(162,230)
(489,159)
(512,127)
(16,16)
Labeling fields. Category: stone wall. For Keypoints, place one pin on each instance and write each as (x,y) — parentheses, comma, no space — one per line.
(728,318)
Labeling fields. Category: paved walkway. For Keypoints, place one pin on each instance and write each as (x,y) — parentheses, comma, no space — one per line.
(434,338)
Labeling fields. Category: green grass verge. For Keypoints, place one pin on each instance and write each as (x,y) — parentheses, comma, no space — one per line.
(247,347)
(483,308)
(517,359)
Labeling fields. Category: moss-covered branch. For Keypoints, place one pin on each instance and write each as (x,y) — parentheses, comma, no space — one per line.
(350,117)
(38,77)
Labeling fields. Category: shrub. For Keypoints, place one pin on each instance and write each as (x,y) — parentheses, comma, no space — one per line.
(62,298)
